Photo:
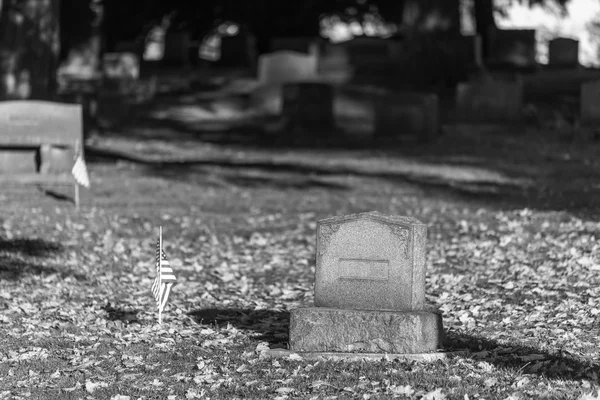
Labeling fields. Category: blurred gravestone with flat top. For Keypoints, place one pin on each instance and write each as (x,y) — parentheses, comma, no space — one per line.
(563,52)
(38,141)
(286,66)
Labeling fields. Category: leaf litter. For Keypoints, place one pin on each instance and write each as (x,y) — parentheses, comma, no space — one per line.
(519,289)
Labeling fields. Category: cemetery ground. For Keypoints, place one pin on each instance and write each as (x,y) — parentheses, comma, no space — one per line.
(513,262)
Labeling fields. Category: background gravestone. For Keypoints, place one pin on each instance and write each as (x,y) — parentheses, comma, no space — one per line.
(369,289)
(308,106)
(590,103)
(406,115)
(286,66)
(563,52)
(489,101)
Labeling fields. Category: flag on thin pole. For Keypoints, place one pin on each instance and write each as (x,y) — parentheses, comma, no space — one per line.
(165,278)
(80,172)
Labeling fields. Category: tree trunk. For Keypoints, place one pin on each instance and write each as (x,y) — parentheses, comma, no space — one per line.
(485,24)
(81,37)
(29,49)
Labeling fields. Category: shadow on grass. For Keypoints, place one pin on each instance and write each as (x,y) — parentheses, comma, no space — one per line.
(120,314)
(525,359)
(20,257)
(273,326)
(270,325)
(30,247)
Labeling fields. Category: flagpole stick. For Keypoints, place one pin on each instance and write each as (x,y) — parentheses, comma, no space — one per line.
(77,195)
(160,250)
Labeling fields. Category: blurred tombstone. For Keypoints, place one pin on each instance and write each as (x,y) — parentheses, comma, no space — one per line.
(590,103)
(563,52)
(406,115)
(513,48)
(489,101)
(308,106)
(307,45)
(286,66)
(38,140)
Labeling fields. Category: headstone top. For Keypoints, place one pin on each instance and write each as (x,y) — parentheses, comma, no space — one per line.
(370,261)
(372,215)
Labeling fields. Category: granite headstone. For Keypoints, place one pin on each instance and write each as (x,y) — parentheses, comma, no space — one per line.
(369,289)
(286,66)
(563,52)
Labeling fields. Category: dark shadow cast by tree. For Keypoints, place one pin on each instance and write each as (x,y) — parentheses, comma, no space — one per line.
(525,359)
(120,314)
(30,247)
(21,257)
(270,325)
(273,326)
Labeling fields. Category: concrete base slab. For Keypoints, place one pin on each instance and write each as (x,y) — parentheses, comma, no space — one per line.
(322,329)
(331,356)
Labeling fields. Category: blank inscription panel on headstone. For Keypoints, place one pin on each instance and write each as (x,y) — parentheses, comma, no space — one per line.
(365,262)
(370,270)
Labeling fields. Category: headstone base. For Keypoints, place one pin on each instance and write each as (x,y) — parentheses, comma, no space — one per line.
(330,356)
(321,329)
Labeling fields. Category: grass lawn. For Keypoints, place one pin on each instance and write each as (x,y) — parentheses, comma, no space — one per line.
(513,261)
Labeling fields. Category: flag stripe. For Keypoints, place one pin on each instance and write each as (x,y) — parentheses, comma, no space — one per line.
(165,278)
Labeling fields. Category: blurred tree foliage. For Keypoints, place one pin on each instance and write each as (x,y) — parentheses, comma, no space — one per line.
(29,48)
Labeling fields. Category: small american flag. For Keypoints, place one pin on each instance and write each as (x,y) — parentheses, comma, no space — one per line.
(165,278)
(80,172)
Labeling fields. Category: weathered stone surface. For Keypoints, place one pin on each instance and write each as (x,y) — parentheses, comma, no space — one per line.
(371,261)
(18,161)
(318,329)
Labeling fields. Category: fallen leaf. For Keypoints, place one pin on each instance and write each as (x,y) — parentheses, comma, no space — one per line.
(434,395)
